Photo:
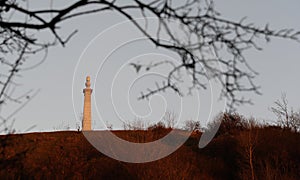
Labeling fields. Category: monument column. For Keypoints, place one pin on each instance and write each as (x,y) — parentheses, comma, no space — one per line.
(87,91)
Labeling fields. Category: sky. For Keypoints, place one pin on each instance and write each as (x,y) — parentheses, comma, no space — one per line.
(98,50)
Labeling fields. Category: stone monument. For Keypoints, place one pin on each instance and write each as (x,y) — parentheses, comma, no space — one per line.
(87,117)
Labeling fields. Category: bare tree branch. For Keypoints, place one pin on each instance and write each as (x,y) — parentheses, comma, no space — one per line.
(202,31)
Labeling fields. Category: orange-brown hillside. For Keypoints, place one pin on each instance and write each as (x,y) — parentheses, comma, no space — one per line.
(67,154)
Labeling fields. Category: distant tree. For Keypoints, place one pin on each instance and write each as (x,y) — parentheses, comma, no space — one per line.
(170,119)
(286,117)
(157,127)
(191,125)
(203,27)
(295,120)
(109,125)
(229,122)
(281,111)
(136,124)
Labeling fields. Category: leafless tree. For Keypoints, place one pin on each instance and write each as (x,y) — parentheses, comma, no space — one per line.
(295,120)
(286,117)
(109,125)
(281,111)
(136,124)
(170,119)
(204,28)
(191,125)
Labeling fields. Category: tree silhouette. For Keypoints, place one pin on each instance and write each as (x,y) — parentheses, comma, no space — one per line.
(204,27)
(286,117)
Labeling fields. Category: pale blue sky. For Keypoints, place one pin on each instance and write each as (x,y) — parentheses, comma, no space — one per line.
(278,65)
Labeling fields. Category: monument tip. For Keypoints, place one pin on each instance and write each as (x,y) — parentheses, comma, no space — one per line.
(88,83)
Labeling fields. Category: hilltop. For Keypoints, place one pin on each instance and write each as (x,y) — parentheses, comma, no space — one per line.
(67,154)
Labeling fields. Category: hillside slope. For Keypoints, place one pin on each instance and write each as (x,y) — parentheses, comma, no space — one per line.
(68,154)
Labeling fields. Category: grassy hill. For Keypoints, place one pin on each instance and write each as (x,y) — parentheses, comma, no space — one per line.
(67,154)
